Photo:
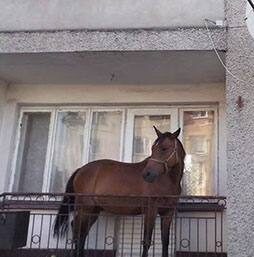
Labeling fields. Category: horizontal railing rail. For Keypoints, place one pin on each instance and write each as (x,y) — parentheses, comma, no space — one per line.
(49,201)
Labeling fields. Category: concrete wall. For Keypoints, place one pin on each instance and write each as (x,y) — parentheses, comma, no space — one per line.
(16,15)
(240,128)
(105,94)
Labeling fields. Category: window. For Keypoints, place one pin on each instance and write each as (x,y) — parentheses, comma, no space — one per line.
(199,142)
(68,147)
(144,134)
(105,131)
(32,151)
(54,142)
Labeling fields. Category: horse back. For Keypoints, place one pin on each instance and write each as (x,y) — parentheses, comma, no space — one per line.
(109,177)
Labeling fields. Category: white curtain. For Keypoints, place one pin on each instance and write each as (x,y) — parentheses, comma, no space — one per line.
(68,150)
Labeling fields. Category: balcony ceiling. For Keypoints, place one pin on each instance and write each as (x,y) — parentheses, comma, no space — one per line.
(142,67)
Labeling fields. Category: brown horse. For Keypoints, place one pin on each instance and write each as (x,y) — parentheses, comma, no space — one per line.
(158,175)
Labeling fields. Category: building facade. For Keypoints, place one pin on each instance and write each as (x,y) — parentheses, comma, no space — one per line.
(85,81)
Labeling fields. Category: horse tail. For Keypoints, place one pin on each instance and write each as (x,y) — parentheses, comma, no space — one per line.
(67,206)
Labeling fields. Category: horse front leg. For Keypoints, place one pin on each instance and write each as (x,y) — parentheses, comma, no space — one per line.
(150,218)
(166,219)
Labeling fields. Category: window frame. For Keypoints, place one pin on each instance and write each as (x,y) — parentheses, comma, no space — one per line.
(22,111)
(176,112)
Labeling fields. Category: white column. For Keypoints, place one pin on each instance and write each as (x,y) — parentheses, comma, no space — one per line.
(2,101)
(7,137)
(240,132)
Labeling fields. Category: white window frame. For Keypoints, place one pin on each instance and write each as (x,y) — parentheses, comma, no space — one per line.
(47,173)
(127,131)
(18,133)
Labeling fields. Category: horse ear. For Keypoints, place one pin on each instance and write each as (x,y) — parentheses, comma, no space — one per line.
(176,133)
(157,131)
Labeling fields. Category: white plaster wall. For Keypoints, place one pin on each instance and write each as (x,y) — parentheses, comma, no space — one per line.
(83,94)
(2,101)
(108,94)
(20,15)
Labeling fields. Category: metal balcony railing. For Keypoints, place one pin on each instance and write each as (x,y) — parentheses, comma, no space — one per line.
(197,229)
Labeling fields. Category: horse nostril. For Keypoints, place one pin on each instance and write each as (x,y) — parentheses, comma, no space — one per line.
(149,176)
(145,175)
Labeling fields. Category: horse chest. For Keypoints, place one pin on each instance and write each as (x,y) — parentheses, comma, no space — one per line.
(161,187)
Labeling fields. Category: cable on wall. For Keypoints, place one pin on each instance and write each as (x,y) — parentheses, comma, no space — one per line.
(218,56)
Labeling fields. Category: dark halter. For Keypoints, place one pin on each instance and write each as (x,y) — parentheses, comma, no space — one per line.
(165,162)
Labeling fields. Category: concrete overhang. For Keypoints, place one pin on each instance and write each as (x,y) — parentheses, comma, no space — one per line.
(114,40)
(140,67)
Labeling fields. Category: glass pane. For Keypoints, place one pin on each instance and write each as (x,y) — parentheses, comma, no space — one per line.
(106,135)
(144,134)
(68,148)
(198,138)
(32,152)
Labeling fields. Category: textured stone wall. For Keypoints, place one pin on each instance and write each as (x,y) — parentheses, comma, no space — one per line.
(240,132)
(118,40)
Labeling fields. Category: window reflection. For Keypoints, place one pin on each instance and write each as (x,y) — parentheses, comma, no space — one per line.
(68,148)
(105,138)
(198,139)
(144,134)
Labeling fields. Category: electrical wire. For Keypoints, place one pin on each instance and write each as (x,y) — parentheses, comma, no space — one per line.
(220,59)
(248,14)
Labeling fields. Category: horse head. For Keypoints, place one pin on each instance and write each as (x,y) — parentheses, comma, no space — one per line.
(167,153)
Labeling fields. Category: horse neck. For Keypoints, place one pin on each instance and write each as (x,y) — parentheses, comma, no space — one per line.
(144,162)
(177,173)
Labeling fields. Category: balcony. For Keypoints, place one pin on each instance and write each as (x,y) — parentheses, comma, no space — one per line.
(197,229)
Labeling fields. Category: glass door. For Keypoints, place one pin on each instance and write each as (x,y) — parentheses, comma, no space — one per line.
(140,136)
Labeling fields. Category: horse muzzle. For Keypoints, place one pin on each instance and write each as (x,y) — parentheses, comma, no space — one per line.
(150,176)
